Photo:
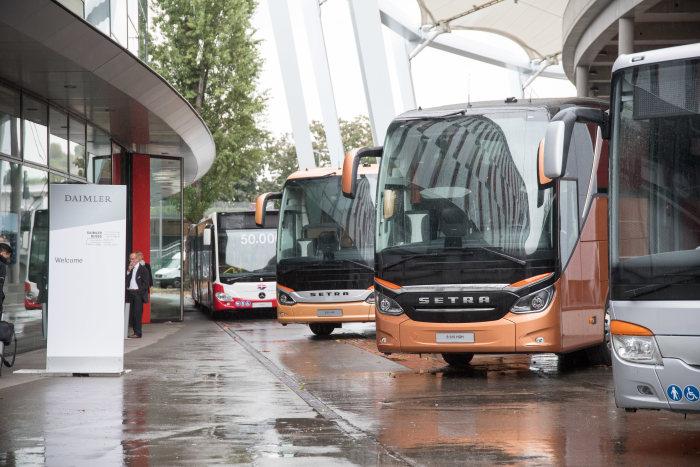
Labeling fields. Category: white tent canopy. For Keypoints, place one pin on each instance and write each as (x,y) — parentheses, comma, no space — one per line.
(536,25)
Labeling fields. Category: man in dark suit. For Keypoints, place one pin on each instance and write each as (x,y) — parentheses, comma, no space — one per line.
(5,258)
(138,281)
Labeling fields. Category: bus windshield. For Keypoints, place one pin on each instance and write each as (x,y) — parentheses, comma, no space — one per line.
(246,251)
(319,225)
(464,189)
(655,224)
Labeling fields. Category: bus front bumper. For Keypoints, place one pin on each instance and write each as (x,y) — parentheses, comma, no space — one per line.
(514,333)
(346,312)
(640,386)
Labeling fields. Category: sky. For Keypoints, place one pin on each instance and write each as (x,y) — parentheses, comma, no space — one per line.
(439,78)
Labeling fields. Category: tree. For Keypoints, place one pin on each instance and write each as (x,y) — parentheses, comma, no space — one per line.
(281,157)
(208,53)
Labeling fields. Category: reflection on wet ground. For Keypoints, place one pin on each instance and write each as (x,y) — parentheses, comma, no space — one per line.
(503,409)
(247,390)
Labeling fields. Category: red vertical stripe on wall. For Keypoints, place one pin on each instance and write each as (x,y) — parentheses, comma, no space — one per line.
(141,213)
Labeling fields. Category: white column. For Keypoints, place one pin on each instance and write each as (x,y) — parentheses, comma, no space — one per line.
(324,85)
(625,36)
(373,64)
(286,53)
(582,81)
(516,84)
(399,47)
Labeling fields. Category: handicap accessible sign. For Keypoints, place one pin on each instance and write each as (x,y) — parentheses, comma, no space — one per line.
(676,394)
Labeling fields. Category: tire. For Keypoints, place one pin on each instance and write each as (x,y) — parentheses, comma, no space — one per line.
(322,329)
(458,359)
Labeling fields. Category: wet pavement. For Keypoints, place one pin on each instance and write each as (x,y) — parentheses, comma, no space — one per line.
(249,391)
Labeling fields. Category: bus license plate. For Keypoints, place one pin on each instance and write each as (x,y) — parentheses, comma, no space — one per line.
(262,305)
(454,337)
(329,313)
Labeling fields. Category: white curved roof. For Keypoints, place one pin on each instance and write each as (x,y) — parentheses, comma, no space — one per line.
(536,25)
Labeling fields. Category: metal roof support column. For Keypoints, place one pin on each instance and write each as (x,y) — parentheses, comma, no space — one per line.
(582,81)
(286,53)
(373,63)
(402,64)
(516,84)
(324,85)
(625,36)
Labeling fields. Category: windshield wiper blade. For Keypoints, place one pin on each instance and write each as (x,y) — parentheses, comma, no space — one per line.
(638,292)
(357,263)
(409,258)
(504,255)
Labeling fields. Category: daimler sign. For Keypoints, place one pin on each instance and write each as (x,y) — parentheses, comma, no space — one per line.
(87,198)
(454,300)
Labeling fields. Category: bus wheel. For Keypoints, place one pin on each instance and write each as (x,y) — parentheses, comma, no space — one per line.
(322,329)
(457,359)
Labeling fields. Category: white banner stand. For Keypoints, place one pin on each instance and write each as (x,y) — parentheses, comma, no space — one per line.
(87,255)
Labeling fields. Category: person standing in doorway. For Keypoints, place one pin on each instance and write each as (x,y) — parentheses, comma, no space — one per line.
(138,281)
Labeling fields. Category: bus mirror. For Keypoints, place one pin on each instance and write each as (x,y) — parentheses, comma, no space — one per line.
(350,165)
(558,136)
(261,206)
(206,240)
(553,151)
(389,203)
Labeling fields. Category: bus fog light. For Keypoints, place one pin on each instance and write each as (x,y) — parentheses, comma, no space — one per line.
(534,302)
(637,349)
(238,303)
(645,390)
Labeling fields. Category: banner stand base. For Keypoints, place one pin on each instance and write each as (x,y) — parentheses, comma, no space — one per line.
(64,374)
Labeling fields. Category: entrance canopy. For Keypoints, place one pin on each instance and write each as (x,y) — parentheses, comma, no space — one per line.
(535,25)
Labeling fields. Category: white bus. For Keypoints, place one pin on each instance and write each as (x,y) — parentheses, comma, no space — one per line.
(654,302)
(231,263)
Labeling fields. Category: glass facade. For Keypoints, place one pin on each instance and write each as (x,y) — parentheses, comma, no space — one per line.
(166,238)
(124,21)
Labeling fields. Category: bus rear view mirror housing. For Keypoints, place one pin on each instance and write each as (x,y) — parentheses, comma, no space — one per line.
(351,163)
(558,137)
(261,206)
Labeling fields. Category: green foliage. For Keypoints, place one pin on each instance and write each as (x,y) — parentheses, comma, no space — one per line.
(281,159)
(208,54)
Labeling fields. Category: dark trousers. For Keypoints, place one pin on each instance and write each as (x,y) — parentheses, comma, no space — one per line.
(135,310)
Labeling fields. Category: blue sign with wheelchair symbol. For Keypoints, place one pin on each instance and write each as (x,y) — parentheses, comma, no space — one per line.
(691,394)
(674,393)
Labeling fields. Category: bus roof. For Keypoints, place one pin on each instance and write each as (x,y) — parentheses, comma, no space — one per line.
(552,105)
(680,52)
(319,172)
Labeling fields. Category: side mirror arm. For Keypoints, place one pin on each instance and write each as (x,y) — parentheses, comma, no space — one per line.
(350,165)
(261,206)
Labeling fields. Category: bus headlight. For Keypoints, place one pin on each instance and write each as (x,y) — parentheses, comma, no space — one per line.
(388,306)
(284,298)
(637,349)
(223,297)
(534,302)
(370,298)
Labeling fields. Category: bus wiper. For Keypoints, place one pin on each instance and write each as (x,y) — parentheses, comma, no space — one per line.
(409,258)
(504,255)
(357,263)
(638,292)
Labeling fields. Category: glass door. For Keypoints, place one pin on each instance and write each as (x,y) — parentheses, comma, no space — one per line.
(166,239)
